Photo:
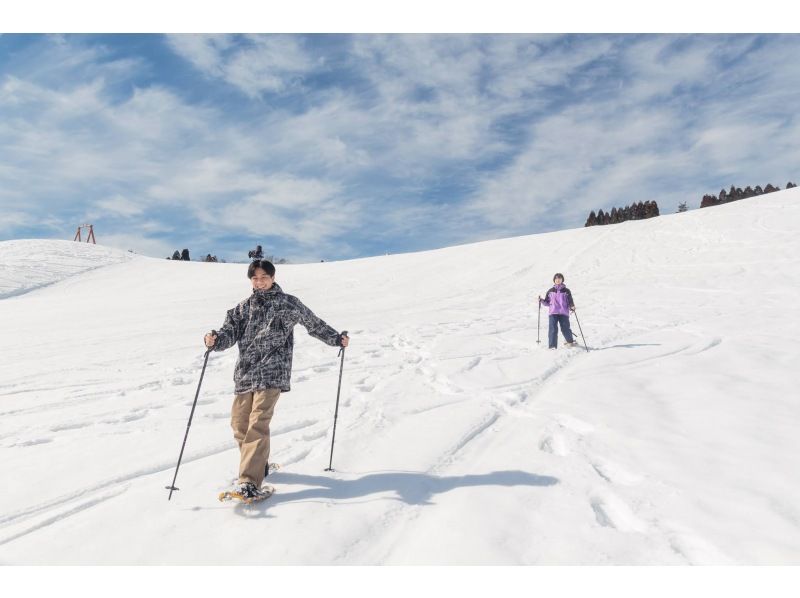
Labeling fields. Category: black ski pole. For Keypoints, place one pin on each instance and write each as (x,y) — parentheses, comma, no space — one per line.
(539,321)
(172,487)
(336,412)
(579,328)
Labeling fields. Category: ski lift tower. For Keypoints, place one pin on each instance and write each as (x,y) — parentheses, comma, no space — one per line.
(89,237)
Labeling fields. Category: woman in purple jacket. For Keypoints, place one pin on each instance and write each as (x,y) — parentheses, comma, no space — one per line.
(559,299)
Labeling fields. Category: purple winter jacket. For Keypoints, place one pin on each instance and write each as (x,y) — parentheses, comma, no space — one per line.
(559,299)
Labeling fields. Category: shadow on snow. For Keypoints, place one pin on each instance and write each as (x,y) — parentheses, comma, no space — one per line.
(413,488)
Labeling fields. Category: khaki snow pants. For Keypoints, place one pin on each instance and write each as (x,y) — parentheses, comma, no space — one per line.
(250,417)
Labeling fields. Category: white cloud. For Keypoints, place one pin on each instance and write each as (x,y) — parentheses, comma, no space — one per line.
(264,63)
(9,220)
(119,206)
(203,51)
(315,228)
(308,212)
(537,127)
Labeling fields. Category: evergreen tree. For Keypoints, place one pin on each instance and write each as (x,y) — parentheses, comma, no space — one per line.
(710,200)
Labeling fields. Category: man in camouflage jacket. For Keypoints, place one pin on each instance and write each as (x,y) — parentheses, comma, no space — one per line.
(263,327)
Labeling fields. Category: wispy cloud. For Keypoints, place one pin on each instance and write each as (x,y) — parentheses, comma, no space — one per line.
(255,64)
(339,146)
(119,205)
(12,220)
(677,121)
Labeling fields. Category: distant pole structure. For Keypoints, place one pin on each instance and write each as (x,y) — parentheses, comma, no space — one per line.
(89,237)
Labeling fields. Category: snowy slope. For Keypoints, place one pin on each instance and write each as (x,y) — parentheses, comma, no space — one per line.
(31,264)
(460,440)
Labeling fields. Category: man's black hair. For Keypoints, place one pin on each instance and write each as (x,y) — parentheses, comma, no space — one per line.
(266,265)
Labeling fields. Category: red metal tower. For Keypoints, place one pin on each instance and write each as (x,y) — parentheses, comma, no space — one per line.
(89,237)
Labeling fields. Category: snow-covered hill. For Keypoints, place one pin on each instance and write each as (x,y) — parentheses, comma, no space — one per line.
(460,439)
(32,264)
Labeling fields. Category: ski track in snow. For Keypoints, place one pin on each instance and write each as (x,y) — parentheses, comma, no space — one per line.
(56,515)
(468,361)
(401,514)
(507,400)
(7,519)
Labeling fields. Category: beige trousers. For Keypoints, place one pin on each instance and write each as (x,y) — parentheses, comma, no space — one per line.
(250,417)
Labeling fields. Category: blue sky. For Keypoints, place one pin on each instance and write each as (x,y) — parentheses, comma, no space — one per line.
(332,146)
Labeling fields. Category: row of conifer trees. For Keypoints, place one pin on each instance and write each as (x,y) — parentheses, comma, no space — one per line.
(635,211)
(649,209)
(736,193)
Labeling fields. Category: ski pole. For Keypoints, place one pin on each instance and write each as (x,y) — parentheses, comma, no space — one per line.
(539,321)
(172,487)
(579,328)
(336,412)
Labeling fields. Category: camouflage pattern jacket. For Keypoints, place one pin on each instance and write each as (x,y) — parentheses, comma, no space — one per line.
(263,326)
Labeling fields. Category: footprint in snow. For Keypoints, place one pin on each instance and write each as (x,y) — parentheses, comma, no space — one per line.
(611,511)
(615,473)
(555,444)
(473,363)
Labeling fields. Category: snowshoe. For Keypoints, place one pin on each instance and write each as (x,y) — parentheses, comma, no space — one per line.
(247,493)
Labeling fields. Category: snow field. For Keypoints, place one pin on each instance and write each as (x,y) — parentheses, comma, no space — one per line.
(459,439)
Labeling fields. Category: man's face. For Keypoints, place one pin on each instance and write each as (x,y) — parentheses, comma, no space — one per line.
(558,280)
(261,280)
